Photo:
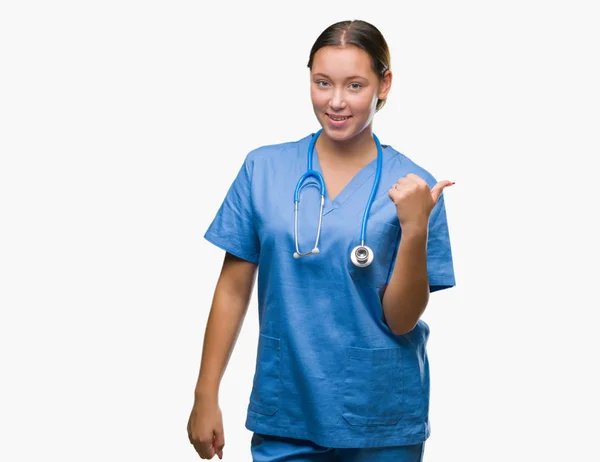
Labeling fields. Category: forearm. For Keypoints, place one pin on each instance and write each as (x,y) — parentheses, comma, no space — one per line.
(224,323)
(407,294)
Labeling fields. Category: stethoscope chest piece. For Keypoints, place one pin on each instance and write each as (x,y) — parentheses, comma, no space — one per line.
(361,255)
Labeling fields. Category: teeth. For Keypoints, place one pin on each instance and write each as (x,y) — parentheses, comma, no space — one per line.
(338,119)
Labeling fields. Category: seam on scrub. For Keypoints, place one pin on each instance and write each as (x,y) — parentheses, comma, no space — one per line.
(440,282)
(277,432)
(363,183)
(389,432)
(250,177)
(224,245)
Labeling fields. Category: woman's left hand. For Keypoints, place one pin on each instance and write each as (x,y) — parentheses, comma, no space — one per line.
(414,200)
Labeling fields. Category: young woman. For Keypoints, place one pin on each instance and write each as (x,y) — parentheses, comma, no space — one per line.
(350,237)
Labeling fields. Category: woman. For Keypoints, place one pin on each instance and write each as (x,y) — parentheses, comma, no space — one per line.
(341,372)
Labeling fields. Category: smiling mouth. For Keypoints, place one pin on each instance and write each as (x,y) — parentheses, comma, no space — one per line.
(338,119)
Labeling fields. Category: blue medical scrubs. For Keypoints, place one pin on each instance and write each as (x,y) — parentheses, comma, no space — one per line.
(267,448)
(329,369)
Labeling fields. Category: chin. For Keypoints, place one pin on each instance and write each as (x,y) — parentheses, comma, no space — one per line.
(338,134)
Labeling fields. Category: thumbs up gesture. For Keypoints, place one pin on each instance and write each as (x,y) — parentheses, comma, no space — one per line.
(414,200)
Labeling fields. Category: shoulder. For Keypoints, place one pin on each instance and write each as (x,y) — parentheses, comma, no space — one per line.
(401,165)
(276,152)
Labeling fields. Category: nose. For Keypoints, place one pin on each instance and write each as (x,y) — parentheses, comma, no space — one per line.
(337,99)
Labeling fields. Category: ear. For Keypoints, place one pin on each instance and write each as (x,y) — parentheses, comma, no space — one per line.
(385,84)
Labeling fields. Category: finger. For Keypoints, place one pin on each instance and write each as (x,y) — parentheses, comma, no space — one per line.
(417,179)
(437,189)
(219,441)
(404,186)
(218,447)
(410,182)
(205,449)
(396,195)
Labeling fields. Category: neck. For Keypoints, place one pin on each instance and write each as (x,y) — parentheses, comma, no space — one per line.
(361,148)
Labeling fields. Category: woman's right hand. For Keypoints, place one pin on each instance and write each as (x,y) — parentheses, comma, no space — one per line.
(205,427)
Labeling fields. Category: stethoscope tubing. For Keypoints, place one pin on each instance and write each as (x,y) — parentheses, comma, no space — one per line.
(322,189)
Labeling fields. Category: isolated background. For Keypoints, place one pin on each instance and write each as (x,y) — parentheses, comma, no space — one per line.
(122,125)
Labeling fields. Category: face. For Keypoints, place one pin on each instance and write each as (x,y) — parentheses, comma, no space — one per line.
(344,90)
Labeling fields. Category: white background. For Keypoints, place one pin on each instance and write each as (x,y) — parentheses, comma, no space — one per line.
(122,126)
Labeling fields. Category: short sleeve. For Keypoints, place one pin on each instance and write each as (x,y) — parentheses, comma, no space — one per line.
(440,268)
(233,228)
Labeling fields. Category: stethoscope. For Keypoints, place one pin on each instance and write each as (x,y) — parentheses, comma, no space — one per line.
(361,255)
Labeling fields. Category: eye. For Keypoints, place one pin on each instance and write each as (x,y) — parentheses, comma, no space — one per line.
(355,86)
(322,83)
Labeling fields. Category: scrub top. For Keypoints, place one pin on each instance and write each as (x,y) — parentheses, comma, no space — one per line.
(328,367)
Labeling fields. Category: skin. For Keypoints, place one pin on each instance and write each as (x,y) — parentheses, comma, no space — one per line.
(343,82)
(407,295)
(227,313)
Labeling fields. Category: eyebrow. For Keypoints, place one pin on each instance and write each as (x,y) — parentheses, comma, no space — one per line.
(354,77)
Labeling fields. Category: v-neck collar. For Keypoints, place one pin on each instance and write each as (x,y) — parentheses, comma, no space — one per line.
(364,175)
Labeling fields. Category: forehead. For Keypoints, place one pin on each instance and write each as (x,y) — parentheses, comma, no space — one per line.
(340,61)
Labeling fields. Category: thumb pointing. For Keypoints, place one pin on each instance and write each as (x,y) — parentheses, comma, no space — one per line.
(436,191)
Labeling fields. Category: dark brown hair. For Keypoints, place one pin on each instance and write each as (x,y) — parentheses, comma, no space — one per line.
(361,34)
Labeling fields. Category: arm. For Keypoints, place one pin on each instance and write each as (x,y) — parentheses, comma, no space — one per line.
(229,306)
(407,295)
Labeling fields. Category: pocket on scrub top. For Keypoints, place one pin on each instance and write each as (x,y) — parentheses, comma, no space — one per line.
(383,240)
(373,386)
(266,386)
